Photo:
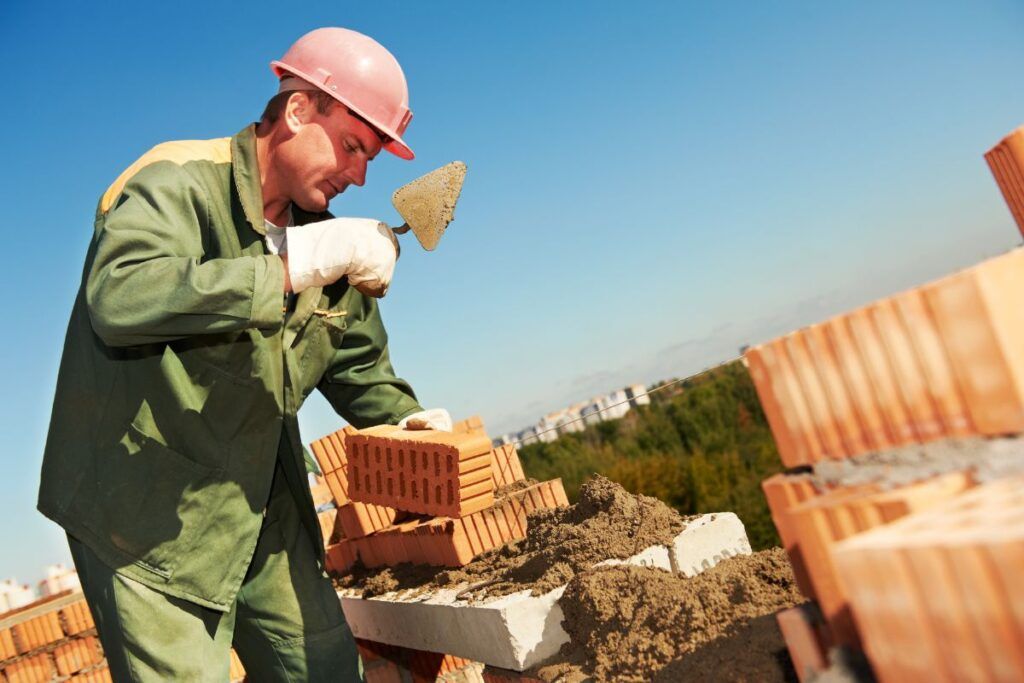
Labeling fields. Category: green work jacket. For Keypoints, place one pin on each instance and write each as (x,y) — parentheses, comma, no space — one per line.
(182,374)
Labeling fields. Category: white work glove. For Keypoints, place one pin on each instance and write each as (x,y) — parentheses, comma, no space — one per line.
(435,418)
(321,253)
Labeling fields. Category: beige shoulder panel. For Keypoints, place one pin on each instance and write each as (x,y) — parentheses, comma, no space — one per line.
(217,151)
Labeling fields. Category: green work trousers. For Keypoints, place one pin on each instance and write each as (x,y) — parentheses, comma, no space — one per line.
(286,623)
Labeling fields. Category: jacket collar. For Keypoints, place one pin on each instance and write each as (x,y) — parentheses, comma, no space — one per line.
(246,170)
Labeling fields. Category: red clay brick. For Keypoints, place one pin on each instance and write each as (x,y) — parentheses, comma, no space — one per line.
(473,424)
(329,527)
(807,647)
(820,522)
(77,654)
(937,595)
(426,472)
(784,492)
(1006,160)
(943,360)
(98,675)
(76,618)
(7,647)
(505,466)
(36,669)
(362,519)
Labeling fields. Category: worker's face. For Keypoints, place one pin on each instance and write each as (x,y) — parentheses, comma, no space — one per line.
(324,154)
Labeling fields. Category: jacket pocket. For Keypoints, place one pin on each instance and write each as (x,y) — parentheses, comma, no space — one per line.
(151,501)
(322,337)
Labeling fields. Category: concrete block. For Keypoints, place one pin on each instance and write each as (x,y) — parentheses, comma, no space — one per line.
(519,630)
(706,541)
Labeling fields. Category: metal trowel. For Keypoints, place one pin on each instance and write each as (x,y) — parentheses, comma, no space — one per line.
(427,204)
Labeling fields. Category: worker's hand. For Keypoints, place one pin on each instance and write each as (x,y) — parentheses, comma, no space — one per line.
(362,248)
(435,418)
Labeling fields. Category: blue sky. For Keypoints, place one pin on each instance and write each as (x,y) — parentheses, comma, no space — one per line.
(649,186)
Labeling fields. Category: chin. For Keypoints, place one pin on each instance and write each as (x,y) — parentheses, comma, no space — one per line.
(317,204)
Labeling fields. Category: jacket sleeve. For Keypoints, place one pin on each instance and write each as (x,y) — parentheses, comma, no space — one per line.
(360,382)
(148,280)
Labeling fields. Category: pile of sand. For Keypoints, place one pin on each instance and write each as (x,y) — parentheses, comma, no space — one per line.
(607,522)
(642,624)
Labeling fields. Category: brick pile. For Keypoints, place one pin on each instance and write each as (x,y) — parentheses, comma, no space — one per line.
(55,639)
(919,574)
(428,498)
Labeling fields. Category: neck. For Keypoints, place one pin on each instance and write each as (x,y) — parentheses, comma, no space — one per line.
(275,203)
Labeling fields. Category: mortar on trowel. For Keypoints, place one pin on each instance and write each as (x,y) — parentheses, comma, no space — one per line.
(427,204)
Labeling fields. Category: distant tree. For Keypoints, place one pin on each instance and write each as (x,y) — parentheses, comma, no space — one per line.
(704,448)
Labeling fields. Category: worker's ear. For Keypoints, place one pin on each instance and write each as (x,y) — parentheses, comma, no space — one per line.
(298,111)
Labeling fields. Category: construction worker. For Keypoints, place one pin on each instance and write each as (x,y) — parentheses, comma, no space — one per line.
(217,294)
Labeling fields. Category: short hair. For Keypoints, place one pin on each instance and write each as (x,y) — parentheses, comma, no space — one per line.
(275,106)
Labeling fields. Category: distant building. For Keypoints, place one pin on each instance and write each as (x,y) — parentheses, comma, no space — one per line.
(14,595)
(579,416)
(59,578)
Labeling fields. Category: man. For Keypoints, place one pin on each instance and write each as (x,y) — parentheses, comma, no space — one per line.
(217,294)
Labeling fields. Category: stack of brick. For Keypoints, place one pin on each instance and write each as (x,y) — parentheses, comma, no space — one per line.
(429,498)
(938,595)
(55,639)
(442,487)
(942,361)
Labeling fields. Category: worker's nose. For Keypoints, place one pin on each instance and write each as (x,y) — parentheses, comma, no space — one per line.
(356,173)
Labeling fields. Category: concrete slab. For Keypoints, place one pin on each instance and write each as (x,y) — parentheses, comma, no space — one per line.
(520,630)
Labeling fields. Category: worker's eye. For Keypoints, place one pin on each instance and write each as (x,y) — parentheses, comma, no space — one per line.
(349,147)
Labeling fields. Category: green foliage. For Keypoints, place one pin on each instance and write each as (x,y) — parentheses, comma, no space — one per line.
(704,448)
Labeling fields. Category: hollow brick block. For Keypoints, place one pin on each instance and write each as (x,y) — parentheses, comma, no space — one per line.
(937,595)
(506,468)
(7,647)
(784,492)
(426,472)
(1006,161)
(943,360)
(469,425)
(76,618)
(36,669)
(77,654)
(97,675)
(805,642)
(821,522)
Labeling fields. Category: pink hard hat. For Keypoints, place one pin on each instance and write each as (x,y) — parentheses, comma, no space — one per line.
(357,71)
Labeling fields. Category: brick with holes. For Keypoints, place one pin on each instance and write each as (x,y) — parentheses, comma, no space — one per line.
(425,472)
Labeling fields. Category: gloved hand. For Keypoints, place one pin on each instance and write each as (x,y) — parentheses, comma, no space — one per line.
(362,248)
(435,418)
